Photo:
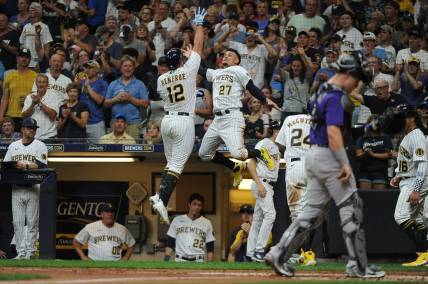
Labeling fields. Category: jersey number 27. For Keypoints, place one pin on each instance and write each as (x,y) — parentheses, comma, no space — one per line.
(175,94)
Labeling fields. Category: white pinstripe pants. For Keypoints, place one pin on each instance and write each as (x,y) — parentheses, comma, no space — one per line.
(178,135)
(25,210)
(295,183)
(404,210)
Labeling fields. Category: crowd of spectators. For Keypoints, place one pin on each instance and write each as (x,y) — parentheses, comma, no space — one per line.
(87,70)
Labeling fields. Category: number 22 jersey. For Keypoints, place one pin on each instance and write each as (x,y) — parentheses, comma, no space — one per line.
(177,88)
(228,86)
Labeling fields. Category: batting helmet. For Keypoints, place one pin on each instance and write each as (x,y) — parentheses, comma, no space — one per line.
(273,124)
(174,57)
(352,65)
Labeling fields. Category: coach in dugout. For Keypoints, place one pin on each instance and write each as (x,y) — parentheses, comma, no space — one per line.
(106,238)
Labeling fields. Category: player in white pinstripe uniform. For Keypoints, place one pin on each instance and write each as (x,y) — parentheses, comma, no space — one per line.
(29,153)
(106,238)
(293,141)
(177,89)
(264,180)
(229,85)
(411,176)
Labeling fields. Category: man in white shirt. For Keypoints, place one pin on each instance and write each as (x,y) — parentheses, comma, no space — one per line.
(166,22)
(352,39)
(309,19)
(34,31)
(415,50)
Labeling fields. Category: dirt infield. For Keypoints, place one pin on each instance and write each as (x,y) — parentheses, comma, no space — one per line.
(97,275)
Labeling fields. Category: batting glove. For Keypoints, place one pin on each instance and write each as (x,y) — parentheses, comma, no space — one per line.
(199,16)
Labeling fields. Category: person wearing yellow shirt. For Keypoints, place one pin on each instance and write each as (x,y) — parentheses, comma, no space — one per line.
(16,86)
(119,135)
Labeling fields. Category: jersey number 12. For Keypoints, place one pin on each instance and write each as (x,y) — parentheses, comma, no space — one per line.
(175,94)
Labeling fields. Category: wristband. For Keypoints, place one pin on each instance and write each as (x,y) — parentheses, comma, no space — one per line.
(341,157)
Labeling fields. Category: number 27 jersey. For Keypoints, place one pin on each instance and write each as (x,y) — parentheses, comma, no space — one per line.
(228,86)
(177,88)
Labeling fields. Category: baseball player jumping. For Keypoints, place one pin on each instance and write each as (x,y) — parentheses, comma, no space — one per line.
(264,180)
(29,153)
(229,85)
(329,176)
(293,141)
(177,89)
(411,174)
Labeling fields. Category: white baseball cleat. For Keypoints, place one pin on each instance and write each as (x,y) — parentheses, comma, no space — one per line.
(283,269)
(159,207)
(352,270)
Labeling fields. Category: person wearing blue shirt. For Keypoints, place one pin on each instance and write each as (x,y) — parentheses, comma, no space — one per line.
(93,95)
(96,12)
(127,95)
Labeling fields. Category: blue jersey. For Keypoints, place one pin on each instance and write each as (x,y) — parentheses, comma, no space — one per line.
(329,111)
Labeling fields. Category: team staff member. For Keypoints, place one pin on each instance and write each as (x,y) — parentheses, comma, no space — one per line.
(190,234)
(239,236)
(106,238)
(334,180)
(30,154)
(410,177)
(264,180)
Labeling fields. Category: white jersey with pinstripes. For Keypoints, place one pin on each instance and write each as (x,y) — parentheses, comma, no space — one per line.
(191,235)
(294,136)
(261,168)
(105,243)
(412,149)
(177,88)
(228,87)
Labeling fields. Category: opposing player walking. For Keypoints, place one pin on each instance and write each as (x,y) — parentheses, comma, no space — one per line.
(229,85)
(329,176)
(411,174)
(29,153)
(264,180)
(177,89)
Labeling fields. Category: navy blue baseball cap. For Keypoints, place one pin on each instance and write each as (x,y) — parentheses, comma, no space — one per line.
(29,123)
(105,207)
(120,116)
(423,104)
(246,208)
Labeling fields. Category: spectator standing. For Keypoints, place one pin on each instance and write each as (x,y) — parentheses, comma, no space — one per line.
(118,135)
(8,134)
(423,113)
(191,234)
(415,50)
(127,35)
(73,116)
(80,57)
(309,19)
(325,73)
(93,94)
(9,43)
(54,14)
(370,49)
(23,17)
(113,25)
(110,52)
(352,39)
(146,15)
(412,82)
(374,65)
(127,95)
(81,37)
(106,238)
(36,36)
(95,11)
(373,150)
(257,124)
(262,16)
(29,154)
(16,86)
(239,235)
(144,35)
(126,17)
(384,39)
(42,106)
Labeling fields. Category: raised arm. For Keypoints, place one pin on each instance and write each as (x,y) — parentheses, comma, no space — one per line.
(199,35)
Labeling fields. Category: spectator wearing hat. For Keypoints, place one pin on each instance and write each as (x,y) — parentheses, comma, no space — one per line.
(325,73)
(118,135)
(43,105)
(106,238)
(309,19)
(238,237)
(112,24)
(369,49)
(384,40)
(81,37)
(93,94)
(36,36)
(238,30)
(272,34)
(412,83)
(73,116)
(16,86)
(126,17)
(311,53)
(128,40)
(415,50)
(423,114)
(161,18)
(254,56)
(127,95)
(290,35)
(352,39)
(109,51)
(8,133)
(9,43)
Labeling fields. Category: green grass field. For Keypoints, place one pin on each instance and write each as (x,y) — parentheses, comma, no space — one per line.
(26,276)
(173,265)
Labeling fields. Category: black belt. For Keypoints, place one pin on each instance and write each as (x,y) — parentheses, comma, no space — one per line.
(294,159)
(193,258)
(179,113)
(220,113)
(272,183)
